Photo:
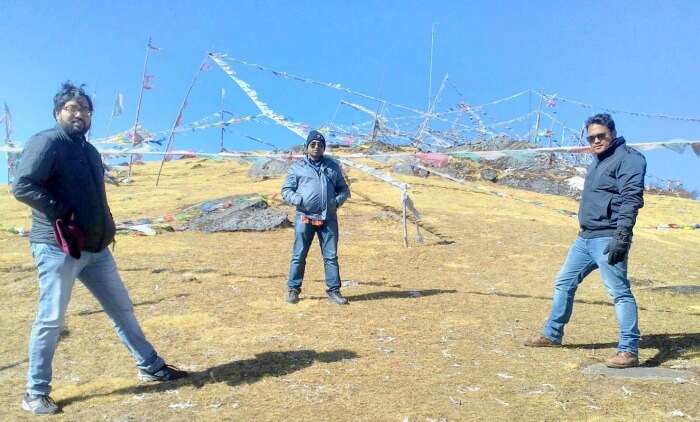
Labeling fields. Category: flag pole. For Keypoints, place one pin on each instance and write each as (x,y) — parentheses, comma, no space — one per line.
(138,105)
(111,115)
(178,117)
(7,119)
(430,71)
(223,92)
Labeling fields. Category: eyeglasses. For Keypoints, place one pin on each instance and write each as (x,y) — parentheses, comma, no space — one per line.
(600,136)
(75,110)
(315,144)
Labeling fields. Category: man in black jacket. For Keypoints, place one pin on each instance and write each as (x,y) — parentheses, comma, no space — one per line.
(612,196)
(60,176)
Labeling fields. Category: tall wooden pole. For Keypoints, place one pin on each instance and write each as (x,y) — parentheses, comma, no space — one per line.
(405,225)
(223,92)
(138,105)
(430,70)
(537,122)
(8,142)
(171,136)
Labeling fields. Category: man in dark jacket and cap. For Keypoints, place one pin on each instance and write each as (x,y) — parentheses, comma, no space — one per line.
(60,176)
(316,186)
(612,196)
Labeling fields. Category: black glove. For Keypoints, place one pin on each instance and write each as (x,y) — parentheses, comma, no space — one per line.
(618,247)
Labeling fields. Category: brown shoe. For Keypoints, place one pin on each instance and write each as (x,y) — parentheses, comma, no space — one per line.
(622,360)
(538,340)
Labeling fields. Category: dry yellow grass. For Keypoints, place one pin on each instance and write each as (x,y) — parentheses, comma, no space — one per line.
(428,331)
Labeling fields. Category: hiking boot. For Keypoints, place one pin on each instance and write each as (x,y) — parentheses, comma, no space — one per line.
(538,340)
(293,296)
(337,298)
(39,404)
(165,373)
(622,360)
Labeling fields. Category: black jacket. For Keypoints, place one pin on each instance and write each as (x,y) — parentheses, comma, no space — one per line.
(58,176)
(613,192)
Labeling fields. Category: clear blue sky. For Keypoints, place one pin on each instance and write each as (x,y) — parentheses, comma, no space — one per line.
(628,55)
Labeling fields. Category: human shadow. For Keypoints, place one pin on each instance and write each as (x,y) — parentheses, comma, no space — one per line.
(588,302)
(247,371)
(669,347)
(147,302)
(548,298)
(257,276)
(400,294)
(353,283)
(12,365)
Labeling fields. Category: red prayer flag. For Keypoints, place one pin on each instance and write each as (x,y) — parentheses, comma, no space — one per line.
(148,81)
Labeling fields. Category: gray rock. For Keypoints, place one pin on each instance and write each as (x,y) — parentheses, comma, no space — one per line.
(407,168)
(242,213)
(540,183)
(489,175)
(268,169)
(661,374)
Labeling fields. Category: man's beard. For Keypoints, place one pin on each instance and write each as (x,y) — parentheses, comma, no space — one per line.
(76,130)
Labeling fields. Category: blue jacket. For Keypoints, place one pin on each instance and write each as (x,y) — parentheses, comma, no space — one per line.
(613,192)
(317,191)
(58,176)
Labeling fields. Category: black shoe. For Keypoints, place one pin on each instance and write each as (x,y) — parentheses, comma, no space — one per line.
(293,296)
(39,404)
(165,373)
(337,298)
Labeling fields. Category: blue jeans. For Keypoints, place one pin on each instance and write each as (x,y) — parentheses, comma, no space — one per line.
(98,272)
(328,238)
(585,256)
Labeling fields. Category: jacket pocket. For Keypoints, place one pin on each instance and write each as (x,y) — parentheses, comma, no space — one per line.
(596,210)
(310,199)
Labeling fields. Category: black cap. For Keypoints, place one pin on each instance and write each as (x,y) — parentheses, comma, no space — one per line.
(315,135)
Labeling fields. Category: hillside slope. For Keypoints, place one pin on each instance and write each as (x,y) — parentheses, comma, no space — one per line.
(433,331)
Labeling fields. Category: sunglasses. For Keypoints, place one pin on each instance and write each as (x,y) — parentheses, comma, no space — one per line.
(600,137)
(75,110)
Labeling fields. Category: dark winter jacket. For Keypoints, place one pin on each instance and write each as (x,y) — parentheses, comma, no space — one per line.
(316,190)
(59,176)
(613,192)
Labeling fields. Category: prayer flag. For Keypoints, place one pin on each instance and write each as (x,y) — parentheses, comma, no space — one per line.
(118,105)
(7,118)
(148,81)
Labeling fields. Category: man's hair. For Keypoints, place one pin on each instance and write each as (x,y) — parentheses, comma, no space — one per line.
(68,92)
(602,119)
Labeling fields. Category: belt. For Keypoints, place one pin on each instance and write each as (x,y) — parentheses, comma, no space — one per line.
(307,220)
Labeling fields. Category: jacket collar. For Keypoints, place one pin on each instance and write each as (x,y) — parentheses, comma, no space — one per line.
(320,162)
(617,142)
(67,137)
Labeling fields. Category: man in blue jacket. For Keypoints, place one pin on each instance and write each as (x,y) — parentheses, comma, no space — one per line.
(316,186)
(612,196)
(60,176)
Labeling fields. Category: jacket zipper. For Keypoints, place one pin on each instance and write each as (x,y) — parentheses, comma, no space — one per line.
(99,193)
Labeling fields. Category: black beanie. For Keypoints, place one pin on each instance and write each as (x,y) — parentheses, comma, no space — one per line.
(315,135)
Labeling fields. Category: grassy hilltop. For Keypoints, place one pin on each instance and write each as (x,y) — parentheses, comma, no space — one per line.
(433,331)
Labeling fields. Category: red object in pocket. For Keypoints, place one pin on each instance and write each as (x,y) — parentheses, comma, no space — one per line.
(70,238)
(306,220)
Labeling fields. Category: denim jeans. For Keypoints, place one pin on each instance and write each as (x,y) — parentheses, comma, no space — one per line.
(585,256)
(98,272)
(328,239)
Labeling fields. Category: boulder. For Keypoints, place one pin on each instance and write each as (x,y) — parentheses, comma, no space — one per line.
(268,168)
(236,213)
